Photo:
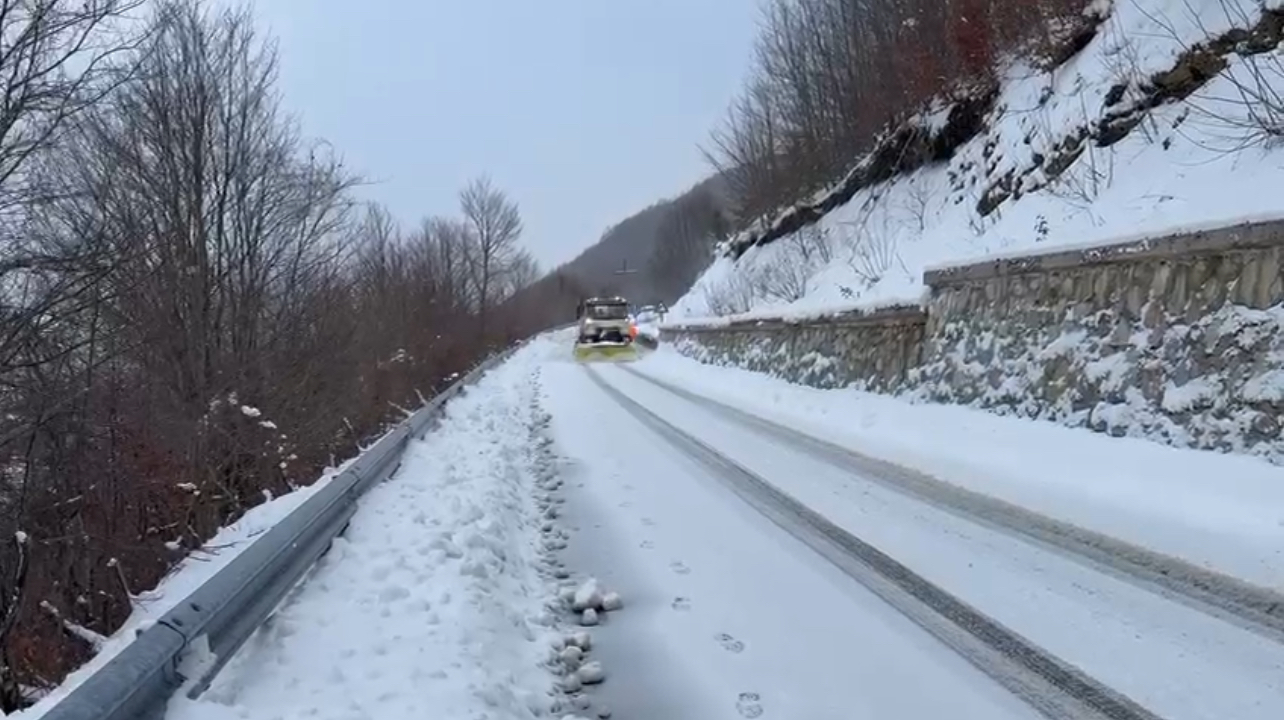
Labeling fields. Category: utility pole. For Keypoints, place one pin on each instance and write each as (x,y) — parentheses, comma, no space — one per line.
(624,270)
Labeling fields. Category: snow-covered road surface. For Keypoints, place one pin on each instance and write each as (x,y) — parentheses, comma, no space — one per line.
(728,616)
(1224,512)
(1254,606)
(1174,660)
(760,579)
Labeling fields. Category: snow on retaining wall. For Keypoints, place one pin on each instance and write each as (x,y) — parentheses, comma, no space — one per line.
(1178,339)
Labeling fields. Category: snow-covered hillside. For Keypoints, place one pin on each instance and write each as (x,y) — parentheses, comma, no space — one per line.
(1207,159)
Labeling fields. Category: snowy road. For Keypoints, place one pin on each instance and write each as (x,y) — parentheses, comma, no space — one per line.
(729,616)
(1166,658)
(763,575)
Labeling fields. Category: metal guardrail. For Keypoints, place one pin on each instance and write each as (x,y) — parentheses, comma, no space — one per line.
(188,646)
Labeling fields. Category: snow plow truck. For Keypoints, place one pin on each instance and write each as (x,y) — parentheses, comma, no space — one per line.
(607,331)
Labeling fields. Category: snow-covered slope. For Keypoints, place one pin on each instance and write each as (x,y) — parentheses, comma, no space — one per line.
(1206,160)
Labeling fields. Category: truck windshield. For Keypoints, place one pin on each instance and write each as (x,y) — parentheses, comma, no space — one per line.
(608,312)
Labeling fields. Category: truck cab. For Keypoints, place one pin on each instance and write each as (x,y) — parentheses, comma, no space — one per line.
(605,320)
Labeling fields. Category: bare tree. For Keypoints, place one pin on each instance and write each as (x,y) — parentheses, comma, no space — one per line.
(10,606)
(201,238)
(194,316)
(445,245)
(830,75)
(56,59)
(692,225)
(521,272)
(496,225)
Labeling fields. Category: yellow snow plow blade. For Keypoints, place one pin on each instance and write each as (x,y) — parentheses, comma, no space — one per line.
(606,353)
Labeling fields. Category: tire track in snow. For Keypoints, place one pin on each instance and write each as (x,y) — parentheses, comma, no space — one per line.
(1255,608)
(1052,686)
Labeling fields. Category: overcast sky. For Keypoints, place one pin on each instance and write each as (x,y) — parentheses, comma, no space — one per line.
(584,111)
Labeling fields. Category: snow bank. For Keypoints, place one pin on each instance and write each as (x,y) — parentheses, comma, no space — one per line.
(1189,164)
(433,604)
(1223,511)
(181,582)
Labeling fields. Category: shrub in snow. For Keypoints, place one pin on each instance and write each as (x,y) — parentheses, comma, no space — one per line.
(612,601)
(572,683)
(589,617)
(591,673)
